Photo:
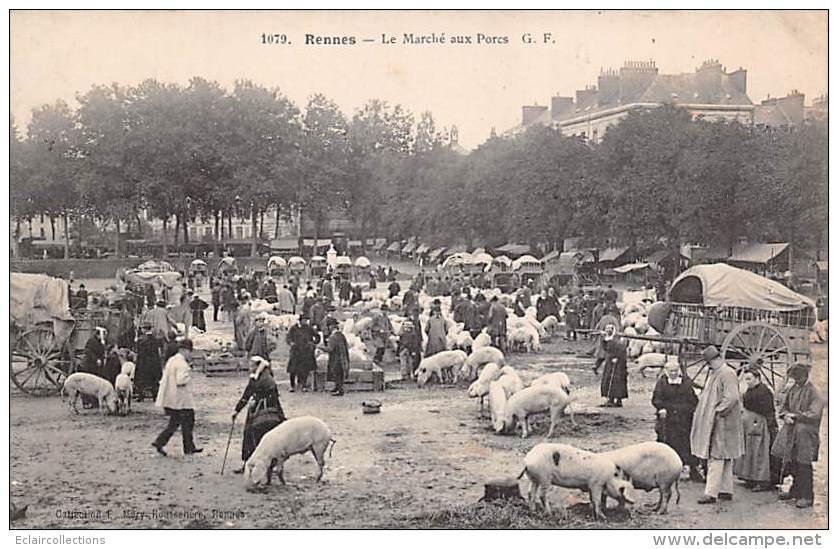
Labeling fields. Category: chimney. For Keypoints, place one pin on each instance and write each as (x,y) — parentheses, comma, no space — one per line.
(792,106)
(740,80)
(530,113)
(560,105)
(586,98)
(609,87)
(635,78)
(708,79)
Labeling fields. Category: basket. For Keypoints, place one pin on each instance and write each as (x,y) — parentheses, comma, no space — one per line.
(371,406)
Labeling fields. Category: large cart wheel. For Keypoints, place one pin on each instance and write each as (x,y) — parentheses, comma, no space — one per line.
(759,345)
(39,362)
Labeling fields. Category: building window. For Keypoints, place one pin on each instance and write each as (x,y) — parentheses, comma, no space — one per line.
(193,232)
(207,231)
(239,231)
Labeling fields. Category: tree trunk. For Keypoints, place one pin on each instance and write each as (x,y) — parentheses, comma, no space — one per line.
(166,237)
(81,229)
(177,229)
(185,223)
(230,225)
(276,226)
(501,488)
(52,225)
(216,216)
(66,236)
(116,243)
(261,223)
(314,250)
(254,243)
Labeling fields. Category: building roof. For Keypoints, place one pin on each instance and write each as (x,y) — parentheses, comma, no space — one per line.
(757,252)
(687,88)
(612,254)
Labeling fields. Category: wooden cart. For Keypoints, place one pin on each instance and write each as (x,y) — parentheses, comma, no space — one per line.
(753,321)
(47,341)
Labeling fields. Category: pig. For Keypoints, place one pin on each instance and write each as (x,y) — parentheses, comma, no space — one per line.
(536,400)
(442,364)
(510,380)
(480,388)
(124,386)
(556,378)
(651,360)
(497,404)
(563,465)
(650,465)
(478,358)
(550,325)
(293,436)
(482,340)
(81,383)
(523,339)
(463,342)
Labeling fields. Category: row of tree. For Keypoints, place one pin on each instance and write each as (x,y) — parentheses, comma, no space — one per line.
(199,151)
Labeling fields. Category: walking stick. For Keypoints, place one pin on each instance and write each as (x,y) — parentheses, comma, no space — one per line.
(229,438)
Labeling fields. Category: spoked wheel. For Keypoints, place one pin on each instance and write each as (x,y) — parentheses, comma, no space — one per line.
(758,345)
(39,364)
(696,370)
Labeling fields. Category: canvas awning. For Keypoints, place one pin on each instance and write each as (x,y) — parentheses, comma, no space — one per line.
(284,244)
(409,248)
(612,254)
(513,249)
(423,248)
(321,242)
(379,244)
(823,266)
(394,247)
(630,267)
(436,253)
(719,284)
(758,253)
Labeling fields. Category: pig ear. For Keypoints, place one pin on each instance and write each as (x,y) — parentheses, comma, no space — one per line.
(556,458)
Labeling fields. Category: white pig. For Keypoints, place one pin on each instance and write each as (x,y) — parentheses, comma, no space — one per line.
(536,400)
(477,359)
(563,465)
(293,436)
(482,340)
(82,383)
(440,364)
(556,378)
(650,465)
(480,388)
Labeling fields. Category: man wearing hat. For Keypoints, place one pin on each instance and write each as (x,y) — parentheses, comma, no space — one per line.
(302,338)
(614,383)
(716,433)
(161,322)
(798,441)
(259,342)
(175,397)
(338,350)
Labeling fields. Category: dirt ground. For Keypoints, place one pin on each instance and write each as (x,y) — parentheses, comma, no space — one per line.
(417,464)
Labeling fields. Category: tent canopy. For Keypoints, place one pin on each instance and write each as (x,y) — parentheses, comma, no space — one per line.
(823,266)
(409,248)
(513,249)
(155,266)
(296,260)
(630,267)
(394,247)
(276,260)
(759,253)
(460,258)
(481,258)
(436,253)
(379,243)
(423,248)
(612,254)
(720,284)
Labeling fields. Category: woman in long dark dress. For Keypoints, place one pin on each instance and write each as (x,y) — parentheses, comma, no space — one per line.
(302,338)
(675,400)
(198,306)
(149,364)
(614,384)
(264,411)
(757,467)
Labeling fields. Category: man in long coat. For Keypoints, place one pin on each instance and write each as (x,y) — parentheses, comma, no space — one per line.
(798,441)
(716,433)
(338,349)
(175,397)
(497,324)
(302,338)
(285,299)
(614,383)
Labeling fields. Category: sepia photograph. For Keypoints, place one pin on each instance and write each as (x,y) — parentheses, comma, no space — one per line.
(426,269)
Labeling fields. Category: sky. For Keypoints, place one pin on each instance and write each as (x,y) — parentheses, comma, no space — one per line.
(55,55)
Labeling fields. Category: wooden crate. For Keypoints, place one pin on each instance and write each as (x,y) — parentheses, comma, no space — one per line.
(219,364)
(368,377)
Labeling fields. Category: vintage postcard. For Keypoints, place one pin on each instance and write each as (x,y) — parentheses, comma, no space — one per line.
(418,270)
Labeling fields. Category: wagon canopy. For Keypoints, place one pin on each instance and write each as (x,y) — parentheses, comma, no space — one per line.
(720,284)
(277,262)
(37,297)
(362,262)
(460,258)
(154,266)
